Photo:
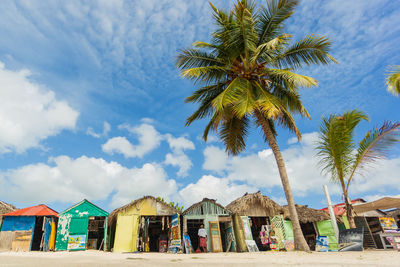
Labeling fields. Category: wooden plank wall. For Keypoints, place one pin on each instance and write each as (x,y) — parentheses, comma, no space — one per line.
(15,240)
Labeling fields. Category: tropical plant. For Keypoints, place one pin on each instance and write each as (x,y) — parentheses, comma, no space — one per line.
(393,80)
(342,159)
(246,73)
(172,204)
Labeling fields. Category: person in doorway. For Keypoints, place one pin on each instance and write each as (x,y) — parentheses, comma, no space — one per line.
(202,239)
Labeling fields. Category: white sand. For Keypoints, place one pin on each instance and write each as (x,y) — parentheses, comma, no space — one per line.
(95,258)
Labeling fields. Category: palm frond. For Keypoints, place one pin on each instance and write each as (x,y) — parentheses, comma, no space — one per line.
(336,144)
(292,80)
(375,145)
(271,18)
(231,94)
(393,80)
(273,45)
(233,132)
(312,49)
(205,74)
(193,58)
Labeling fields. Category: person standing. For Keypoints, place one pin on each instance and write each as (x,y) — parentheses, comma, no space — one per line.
(202,239)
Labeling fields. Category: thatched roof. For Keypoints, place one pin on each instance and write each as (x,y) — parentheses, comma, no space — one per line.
(6,208)
(114,213)
(306,214)
(246,204)
(198,204)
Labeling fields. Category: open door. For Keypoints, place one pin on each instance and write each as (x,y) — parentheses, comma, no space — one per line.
(47,223)
(215,236)
(78,229)
(126,233)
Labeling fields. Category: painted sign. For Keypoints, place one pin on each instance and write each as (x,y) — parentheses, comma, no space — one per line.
(251,245)
(175,243)
(351,239)
(246,228)
(322,244)
(188,244)
(76,242)
(387,223)
(215,237)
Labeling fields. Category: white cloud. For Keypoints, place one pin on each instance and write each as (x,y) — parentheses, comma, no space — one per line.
(106,130)
(67,180)
(178,158)
(29,113)
(148,140)
(221,189)
(151,179)
(215,159)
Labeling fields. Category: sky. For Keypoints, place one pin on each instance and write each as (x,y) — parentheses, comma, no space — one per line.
(92,106)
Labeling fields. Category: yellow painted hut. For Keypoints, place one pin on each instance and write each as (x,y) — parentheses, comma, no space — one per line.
(142,225)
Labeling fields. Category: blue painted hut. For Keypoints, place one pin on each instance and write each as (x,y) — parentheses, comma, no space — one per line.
(31,228)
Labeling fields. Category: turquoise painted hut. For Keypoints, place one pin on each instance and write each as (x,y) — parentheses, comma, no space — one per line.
(81,227)
(217,221)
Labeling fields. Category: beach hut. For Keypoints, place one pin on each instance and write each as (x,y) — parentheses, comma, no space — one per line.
(31,228)
(313,222)
(217,221)
(251,214)
(82,226)
(367,217)
(145,224)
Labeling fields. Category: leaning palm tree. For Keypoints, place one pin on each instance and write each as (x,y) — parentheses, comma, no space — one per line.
(342,159)
(393,80)
(246,73)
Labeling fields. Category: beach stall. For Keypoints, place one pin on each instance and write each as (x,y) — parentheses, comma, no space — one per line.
(147,224)
(31,228)
(366,219)
(251,215)
(82,226)
(313,223)
(380,228)
(217,221)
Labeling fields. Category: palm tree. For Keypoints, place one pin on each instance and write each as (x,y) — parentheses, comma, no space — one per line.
(393,80)
(247,74)
(342,159)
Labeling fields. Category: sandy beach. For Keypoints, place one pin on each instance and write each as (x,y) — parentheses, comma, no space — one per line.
(85,258)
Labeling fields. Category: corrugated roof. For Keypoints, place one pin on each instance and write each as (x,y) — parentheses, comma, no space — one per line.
(340,209)
(39,210)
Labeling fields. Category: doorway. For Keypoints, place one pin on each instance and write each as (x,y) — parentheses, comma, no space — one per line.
(37,234)
(256,228)
(96,232)
(310,234)
(154,234)
(193,226)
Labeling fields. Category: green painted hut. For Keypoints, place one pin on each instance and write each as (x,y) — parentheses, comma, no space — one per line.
(81,227)
(217,221)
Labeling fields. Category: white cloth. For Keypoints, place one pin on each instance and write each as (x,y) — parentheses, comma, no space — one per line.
(202,232)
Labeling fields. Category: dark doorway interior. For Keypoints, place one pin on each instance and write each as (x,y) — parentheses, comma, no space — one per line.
(37,234)
(193,227)
(309,233)
(154,234)
(256,224)
(96,232)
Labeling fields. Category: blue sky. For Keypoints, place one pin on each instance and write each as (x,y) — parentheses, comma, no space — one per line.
(93,107)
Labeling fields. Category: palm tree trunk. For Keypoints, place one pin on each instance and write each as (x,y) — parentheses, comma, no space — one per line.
(348,205)
(299,241)
(349,211)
